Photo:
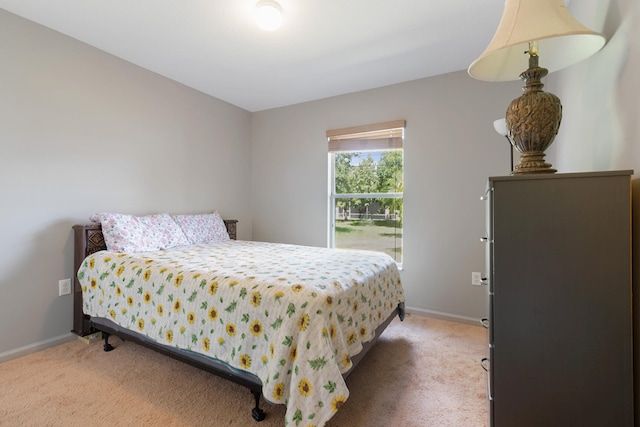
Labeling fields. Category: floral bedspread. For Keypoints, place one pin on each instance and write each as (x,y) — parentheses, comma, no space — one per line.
(292,315)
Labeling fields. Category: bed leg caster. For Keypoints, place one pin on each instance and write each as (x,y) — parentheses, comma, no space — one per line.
(257,413)
(107,346)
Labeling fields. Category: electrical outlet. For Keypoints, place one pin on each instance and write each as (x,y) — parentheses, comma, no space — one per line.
(476,278)
(64,287)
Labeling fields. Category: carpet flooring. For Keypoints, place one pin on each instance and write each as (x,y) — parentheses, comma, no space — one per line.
(423,372)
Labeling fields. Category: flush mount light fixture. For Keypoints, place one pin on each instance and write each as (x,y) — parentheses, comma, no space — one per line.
(268,15)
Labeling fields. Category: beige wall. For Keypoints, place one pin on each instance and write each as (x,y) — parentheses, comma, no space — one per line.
(81,132)
(601,107)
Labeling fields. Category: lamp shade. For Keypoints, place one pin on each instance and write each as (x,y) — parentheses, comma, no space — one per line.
(562,40)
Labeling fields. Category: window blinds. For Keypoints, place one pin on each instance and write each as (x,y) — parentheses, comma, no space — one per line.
(380,136)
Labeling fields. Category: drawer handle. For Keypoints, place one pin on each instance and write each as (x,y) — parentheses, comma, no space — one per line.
(485,322)
(483,363)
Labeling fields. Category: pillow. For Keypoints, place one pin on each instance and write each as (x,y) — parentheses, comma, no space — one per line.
(202,228)
(163,232)
(129,233)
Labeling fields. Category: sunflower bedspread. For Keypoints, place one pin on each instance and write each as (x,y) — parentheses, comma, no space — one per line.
(291,315)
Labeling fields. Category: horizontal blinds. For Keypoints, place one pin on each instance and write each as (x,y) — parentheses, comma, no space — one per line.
(381,136)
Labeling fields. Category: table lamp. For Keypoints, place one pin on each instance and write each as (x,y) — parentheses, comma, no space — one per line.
(530,29)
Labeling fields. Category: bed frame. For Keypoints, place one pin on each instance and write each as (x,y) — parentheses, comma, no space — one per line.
(88,239)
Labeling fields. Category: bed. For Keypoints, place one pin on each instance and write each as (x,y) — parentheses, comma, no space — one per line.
(288,322)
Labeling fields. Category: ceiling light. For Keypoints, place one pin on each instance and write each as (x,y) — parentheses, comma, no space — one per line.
(268,15)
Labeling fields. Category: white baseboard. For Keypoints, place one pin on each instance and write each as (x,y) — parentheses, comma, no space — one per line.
(443,316)
(32,348)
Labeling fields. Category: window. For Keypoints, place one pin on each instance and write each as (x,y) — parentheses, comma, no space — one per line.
(365,187)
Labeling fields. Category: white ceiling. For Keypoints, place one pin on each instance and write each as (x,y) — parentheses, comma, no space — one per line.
(324,47)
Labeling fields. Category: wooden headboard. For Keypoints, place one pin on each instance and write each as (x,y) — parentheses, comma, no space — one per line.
(88,239)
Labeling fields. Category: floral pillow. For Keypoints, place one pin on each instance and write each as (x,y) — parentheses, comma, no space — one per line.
(202,228)
(129,233)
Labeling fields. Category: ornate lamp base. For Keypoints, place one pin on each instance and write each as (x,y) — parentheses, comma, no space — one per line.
(533,121)
(533,162)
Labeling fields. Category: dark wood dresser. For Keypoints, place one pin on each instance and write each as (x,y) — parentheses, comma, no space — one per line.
(559,291)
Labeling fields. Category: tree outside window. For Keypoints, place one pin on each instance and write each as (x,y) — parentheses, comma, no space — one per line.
(367,201)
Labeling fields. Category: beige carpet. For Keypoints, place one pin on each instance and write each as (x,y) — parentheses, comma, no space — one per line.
(422,372)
